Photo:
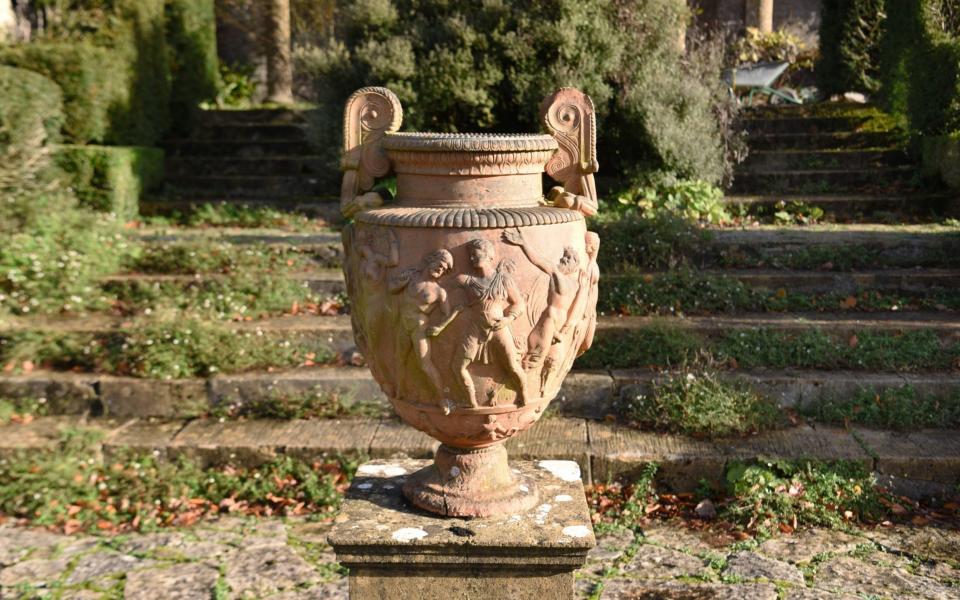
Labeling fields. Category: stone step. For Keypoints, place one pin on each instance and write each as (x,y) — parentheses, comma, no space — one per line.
(178,166)
(604,451)
(876,245)
(783,160)
(198,187)
(253,149)
(249,132)
(863,208)
(872,244)
(325,209)
(591,394)
(912,282)
(794,124)
(821,140)
(820,180)
(253,116)
(335,334)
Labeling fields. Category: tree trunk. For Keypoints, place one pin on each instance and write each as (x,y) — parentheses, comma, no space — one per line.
(760,15)
(8,21)
(279,65)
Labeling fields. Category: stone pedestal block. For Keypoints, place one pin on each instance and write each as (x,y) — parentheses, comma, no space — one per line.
(395,550)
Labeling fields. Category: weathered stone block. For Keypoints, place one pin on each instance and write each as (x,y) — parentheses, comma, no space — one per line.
(394,551)
(585,394)
(65,393)
(129,397)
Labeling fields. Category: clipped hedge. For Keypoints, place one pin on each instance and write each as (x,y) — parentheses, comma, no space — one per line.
(131,64)
(111,179)
(941,159)
(85,73)
(850,34)
(31,109)
(920,69)
(194,67)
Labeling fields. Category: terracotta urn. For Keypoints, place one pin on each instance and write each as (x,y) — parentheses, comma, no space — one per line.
(471,292)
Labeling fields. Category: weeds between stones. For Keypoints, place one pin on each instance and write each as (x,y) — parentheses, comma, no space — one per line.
(663,345)
(761,498)
(161,349)
(702,405)
(688,291)
(239,296)
(206,256)
(901,408)
(313,404)
(71,489)
(230,214)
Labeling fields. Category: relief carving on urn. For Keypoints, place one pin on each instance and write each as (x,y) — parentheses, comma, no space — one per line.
(471,292)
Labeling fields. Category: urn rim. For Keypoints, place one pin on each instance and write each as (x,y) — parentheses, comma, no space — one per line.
(468,142)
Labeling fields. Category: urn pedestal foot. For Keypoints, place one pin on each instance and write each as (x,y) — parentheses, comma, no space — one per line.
(471,483)
(395,551)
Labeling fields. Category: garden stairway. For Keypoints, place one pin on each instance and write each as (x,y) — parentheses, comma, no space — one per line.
(824,315)
(845,159)
(256,157)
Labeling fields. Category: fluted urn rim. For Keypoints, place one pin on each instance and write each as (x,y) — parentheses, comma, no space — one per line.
(468,142)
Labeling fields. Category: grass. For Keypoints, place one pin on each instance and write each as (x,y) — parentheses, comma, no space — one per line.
(71,489)
(239,296)
(901,408)
(702,405)
(311,404)
(663,345)
(686,291)
(20,410)
(161,349)
(231,214)
(206,256)
(631,241)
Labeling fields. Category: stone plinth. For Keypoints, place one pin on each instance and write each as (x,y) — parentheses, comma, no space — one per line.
(394,550)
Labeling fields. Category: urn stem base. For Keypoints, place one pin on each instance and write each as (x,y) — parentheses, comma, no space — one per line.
(471,483)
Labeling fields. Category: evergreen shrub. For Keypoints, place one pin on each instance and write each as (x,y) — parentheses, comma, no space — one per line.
(850,34)
(191,30)
(460,67)
(111,179)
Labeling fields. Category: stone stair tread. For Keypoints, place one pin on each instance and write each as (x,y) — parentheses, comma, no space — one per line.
(604,450)
(239,235)
(828,172)
(828,198)
(318,274)
(341,323)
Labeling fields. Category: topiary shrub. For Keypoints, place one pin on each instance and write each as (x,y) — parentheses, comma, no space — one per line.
(111,179)
(850,34)
(457,67)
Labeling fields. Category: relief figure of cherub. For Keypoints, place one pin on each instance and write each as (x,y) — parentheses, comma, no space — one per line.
(561,291)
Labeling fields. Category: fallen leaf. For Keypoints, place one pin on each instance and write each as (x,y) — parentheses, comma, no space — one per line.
(849,302)
(781,293)
(72,526)
(853,341)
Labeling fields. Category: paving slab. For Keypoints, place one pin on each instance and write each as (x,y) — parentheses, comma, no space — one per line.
(143,436)
(178,582)
(629,589)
